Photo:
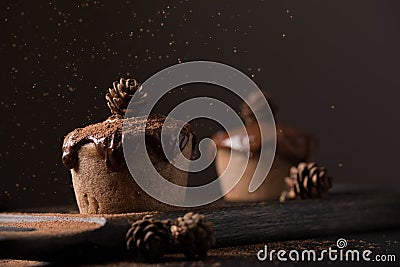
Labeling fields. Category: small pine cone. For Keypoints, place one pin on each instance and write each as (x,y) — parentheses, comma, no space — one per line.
(120,95)
(307,180)
(193,234)
(149,238)
(255,100)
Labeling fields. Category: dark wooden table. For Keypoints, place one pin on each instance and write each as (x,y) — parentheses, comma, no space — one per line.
(365,220)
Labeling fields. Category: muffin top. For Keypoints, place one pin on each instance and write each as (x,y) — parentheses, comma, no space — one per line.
(292,143)
(107,137)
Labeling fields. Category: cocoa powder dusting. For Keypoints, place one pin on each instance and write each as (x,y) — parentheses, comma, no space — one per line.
(107,137)
(50,227)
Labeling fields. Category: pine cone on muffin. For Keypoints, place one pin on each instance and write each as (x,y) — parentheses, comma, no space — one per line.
(149,238)
(193,234)
(120,95)
(307,180)
(256,101)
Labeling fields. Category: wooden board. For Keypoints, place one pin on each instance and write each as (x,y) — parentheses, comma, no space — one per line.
(60,237)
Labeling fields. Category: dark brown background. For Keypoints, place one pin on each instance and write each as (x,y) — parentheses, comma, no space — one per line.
(331,66)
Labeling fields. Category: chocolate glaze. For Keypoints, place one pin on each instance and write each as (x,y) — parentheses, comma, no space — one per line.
(107,137)
(293,144)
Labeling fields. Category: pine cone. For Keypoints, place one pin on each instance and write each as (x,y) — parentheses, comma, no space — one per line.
(255,100)
(307,180)
(149,238)
(193,235)
(120,95)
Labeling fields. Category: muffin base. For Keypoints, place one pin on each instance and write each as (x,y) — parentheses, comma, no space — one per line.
(99,189)
(270,189)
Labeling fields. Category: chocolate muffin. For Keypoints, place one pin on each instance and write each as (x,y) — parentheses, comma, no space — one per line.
(293,146)
(101,179)
(94,154)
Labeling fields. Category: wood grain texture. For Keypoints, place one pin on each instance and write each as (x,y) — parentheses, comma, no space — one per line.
(235,224)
